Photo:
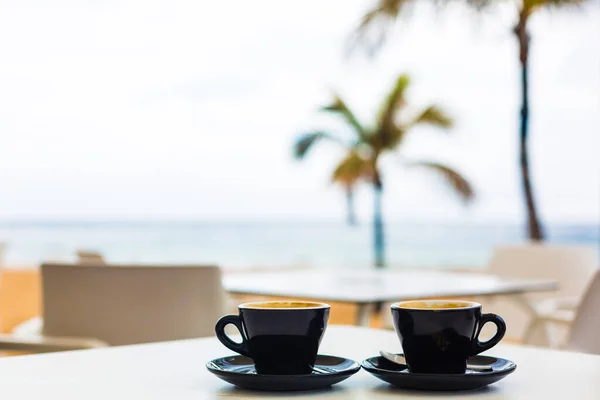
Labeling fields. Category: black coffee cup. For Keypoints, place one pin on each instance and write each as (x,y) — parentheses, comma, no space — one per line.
(438,336)
(281,337)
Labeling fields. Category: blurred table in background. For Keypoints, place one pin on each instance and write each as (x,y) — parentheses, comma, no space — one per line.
(367,288)
(20,289)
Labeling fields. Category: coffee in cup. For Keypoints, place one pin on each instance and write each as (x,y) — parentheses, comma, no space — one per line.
(281,337)
(438,336)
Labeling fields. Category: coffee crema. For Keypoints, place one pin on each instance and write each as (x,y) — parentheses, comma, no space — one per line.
(283,305)
(435,305)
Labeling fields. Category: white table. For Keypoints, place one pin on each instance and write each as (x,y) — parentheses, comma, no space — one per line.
(367,288)
(175,370)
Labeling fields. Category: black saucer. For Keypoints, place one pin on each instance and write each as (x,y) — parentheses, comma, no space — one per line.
(239,371)
(399,376)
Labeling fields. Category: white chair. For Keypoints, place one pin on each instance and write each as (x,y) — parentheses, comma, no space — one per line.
(129,304)
(41,344)
(85,257)
(586,325)
(528,315)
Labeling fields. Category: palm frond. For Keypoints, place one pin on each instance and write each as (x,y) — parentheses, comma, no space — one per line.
(433,115)
(393,137)
(532,5)
(455,180)
(374,26)
(476,4)
(350,170)
(338,106)
(306,141)
(390,107)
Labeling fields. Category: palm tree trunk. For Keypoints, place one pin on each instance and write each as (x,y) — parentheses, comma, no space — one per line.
(534,228)
(379,244)
(350,207)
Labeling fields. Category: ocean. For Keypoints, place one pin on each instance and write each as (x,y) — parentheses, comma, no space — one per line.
(275,244)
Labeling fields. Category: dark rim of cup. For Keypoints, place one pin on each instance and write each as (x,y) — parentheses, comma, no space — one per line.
(464,305)
(264,305)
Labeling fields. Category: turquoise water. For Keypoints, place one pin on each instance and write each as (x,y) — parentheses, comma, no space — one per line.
(270,244)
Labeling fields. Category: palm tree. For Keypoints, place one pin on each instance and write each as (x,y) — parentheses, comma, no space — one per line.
(348,174)
(386,12)
(368,145)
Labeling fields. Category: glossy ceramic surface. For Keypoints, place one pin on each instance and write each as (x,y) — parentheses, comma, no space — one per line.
(440,336)
(240,371)
(281,340)
(401,377)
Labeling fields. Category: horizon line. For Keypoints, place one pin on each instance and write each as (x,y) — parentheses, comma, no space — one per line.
(285,220)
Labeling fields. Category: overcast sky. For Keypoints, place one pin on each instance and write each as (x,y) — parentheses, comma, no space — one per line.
(188,109)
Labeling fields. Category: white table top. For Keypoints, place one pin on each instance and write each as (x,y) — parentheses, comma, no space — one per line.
(175,370)
(378,286)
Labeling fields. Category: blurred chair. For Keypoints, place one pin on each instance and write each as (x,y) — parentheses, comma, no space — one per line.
(41,344)
(128,304)
(586,325)
(85,257)
(529,318)
(585,322)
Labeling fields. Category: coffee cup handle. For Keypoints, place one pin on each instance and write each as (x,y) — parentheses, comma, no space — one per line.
(241,348)
(497,320)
